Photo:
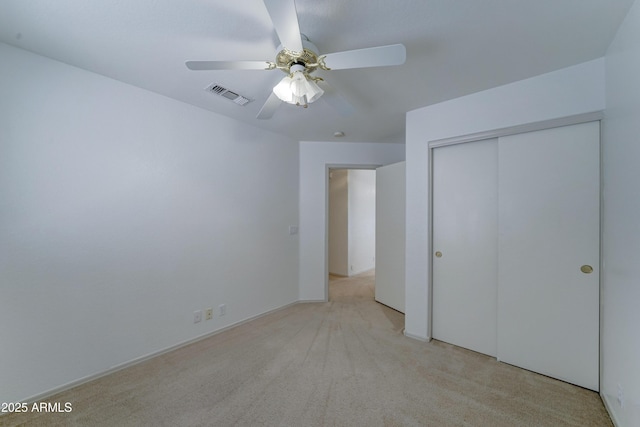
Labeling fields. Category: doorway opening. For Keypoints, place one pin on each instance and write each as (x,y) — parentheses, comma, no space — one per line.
(351,229)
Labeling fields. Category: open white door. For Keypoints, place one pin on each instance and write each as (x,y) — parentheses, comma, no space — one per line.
(390,235)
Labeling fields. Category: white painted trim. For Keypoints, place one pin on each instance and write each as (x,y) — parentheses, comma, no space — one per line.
(430,244)
(88,378)
(601,272)
(415,337)
(513,130)
(608,405)
(327,171)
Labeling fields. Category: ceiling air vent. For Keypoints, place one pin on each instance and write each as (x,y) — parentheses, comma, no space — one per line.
(222,91)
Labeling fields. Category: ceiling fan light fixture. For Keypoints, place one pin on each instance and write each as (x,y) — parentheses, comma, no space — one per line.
(298,58)
(296,88)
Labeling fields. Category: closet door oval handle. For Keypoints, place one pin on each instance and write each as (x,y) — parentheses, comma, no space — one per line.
(586,269)
(438,254)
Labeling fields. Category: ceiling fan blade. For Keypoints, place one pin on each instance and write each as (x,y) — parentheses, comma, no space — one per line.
(269,107)
(285,20)
(336,101)
(380,56)
(227,65)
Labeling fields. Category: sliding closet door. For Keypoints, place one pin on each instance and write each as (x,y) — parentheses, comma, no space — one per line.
(548,275)
(465,245)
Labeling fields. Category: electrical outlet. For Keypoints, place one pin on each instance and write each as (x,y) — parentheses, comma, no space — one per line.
(197,316)
(620,396)
(222,309)
(209,314)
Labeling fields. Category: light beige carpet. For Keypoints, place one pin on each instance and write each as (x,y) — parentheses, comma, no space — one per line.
(341,363)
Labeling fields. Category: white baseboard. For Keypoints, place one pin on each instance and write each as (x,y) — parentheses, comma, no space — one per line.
(75,383)
(416,337)
(609,405)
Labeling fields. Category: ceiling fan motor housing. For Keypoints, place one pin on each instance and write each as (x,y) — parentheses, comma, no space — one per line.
(307,58)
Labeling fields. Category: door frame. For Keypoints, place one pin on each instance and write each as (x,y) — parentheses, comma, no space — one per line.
(327,169)
(512,130)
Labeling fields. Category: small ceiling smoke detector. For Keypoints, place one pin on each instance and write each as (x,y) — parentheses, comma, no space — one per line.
(338,134)
(223,91)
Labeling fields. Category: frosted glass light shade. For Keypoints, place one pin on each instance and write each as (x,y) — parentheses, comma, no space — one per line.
(297,89)
(283,90)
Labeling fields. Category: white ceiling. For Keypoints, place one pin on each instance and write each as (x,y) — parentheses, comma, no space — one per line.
(454,47)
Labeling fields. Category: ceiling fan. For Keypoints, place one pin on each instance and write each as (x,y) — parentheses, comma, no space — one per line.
(298,58)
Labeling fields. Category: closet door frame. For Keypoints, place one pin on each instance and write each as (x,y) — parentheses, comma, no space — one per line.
(529,127)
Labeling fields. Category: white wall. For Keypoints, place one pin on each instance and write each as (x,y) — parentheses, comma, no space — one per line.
(315,159)
(122,212)
(621,243)
(574,90)
(339,222)
(390,235)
